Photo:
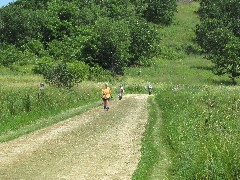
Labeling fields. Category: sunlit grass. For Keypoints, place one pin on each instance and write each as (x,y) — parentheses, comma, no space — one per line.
(24,105)
(200,118)
(201,129)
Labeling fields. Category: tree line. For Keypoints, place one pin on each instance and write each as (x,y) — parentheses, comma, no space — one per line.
(219,36)
(68,41)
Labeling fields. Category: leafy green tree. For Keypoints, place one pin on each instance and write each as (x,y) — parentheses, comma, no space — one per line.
(59,21)
(115,41)
(229,61)
(31,4)
(9,55)
(35,47)
(144,42)
(98,74)
(106,35)
(82,47)
(116,9)
(17,26)
(89,14)
(139,7)
(218,35)
(160,11)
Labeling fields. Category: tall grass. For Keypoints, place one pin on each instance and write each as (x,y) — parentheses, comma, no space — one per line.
(201,129)
(22,106)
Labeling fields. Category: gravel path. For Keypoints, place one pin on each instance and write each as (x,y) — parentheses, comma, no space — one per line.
(94,145)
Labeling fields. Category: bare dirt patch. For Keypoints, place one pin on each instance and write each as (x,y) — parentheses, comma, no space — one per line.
(94,145)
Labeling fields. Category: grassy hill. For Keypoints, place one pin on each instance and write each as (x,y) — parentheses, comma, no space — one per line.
(194,117)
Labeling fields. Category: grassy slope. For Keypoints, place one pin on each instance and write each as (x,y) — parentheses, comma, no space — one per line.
(188,111)
(180,69)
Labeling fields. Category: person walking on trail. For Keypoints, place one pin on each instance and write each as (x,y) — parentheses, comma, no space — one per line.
(120,92)
(149,88)
(106,94)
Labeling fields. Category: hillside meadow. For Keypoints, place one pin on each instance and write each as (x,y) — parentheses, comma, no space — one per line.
(192,131)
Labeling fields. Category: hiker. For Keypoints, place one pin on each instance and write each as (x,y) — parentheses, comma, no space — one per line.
(106,94)
(41,86)
(120,92)
(139,72)
(149,88)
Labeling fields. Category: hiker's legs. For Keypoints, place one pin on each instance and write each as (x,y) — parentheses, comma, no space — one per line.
(149,91)
(120,96)
(104,104)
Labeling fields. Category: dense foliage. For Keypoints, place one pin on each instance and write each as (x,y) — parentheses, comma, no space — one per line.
(111,34)
(218,35)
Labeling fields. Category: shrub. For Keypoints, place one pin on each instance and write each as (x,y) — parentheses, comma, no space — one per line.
(160,12)
(66,74)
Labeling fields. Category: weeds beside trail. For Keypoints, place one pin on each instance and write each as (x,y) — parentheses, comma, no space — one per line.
(154,162)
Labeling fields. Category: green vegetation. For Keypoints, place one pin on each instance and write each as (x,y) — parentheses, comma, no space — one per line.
(200,128)
(23,107)
(54,36)
(154,161)
(219,37)
(196,126)
(68,42)
(192,132)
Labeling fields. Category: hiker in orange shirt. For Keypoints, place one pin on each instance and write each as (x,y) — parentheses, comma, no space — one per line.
(106,95)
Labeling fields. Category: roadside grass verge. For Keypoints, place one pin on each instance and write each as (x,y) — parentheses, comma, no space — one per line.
(154,162)
(25,109)
(42,121)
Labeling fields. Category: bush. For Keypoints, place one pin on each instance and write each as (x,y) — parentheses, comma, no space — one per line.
(66,74)
(62,74)
(160,12)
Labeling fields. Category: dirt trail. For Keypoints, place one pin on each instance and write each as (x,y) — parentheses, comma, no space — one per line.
(94,145)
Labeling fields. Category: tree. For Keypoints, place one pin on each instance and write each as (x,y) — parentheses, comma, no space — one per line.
(107,35)
(114,36)
(218,35)
(17,26)
(160,11)
(229,61)
(144,42)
